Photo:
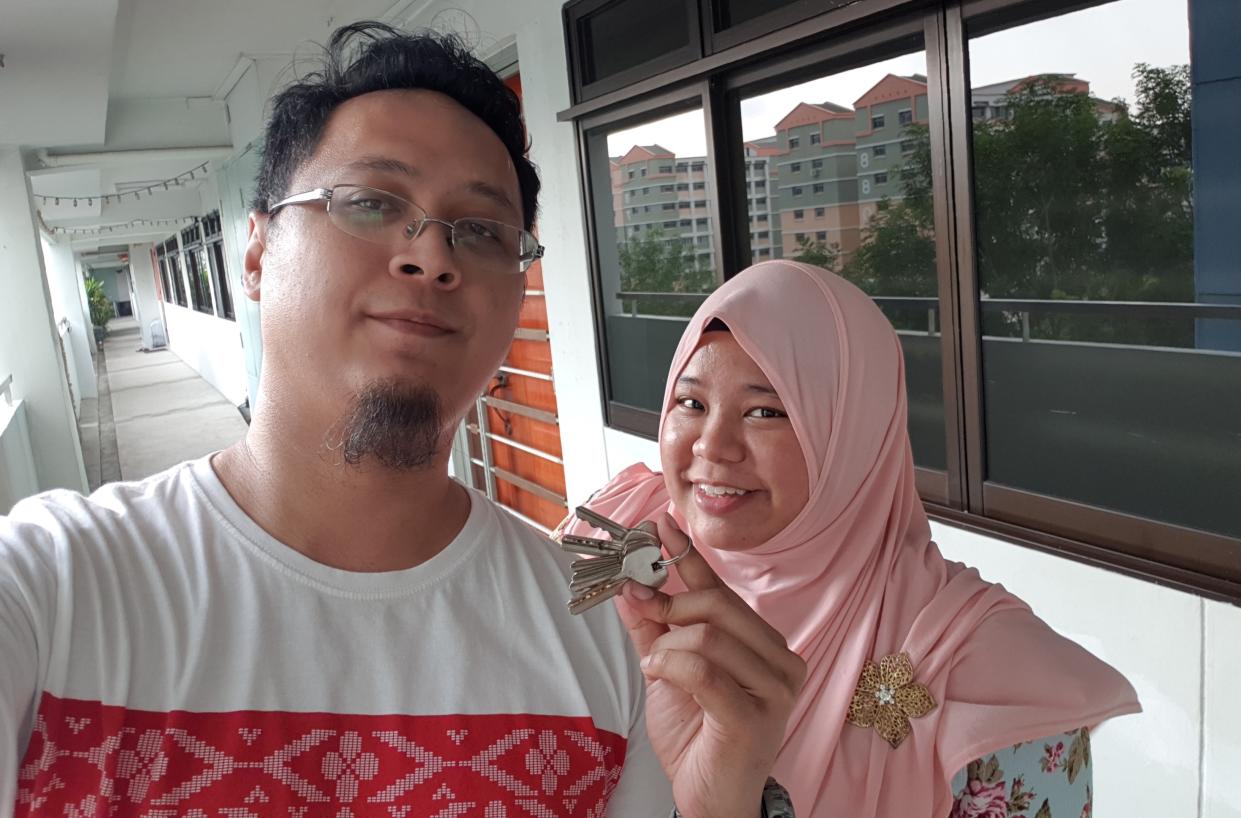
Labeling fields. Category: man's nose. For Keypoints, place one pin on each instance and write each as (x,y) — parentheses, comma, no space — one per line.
(428,256)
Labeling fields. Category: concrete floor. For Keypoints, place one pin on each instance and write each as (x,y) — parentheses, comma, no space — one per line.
(160,411)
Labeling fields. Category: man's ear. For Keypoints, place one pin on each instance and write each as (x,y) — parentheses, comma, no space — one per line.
(256,245)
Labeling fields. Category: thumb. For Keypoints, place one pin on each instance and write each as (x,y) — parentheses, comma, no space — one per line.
(642,631)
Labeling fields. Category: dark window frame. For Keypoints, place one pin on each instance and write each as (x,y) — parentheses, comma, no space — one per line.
(1193,560)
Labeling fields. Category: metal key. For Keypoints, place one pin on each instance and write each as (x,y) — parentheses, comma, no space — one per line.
(641,564)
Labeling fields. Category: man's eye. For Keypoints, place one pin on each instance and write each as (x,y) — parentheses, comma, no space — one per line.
(378,205)
(479,230)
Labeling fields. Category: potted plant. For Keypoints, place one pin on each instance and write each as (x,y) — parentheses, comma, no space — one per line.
(101,309)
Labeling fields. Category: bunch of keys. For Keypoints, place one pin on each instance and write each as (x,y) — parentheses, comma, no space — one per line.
(632,554)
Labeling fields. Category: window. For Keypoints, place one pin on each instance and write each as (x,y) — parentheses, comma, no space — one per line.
(814,139)
(697,166)
(816,164)
(631,174)
(702,222)
(682,167)
(173,258)
(667,188)
(762,218)
(642,171)
(1095,344)
(1106,338)
(799,214)
(763,234)
(665,168)
(700,185)
(795,167)
(224,288)
(647,263)
(683,186)
(761,184)
(687,222)
(683,205)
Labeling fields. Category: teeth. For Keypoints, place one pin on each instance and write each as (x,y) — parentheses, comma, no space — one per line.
(720,491)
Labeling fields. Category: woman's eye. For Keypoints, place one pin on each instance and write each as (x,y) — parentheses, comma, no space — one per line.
(766,412)
(689,403)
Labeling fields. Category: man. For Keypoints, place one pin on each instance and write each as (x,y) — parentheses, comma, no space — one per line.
(318,621)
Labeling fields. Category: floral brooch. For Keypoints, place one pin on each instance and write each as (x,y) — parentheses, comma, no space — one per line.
(887,697)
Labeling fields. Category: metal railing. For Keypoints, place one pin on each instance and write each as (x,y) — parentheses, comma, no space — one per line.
(1023,307)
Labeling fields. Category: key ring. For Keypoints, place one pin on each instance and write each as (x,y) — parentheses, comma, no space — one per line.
(689,545)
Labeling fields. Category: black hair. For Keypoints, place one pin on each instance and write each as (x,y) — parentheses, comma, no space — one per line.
(368,56)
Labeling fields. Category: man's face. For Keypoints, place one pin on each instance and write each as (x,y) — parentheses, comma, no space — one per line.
(341,314)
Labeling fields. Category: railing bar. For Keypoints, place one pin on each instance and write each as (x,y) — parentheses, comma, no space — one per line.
(489,479)
(528,334)
(535,293)
(521,409)
(520,446)
(525,519)
(526,373)
(530,486)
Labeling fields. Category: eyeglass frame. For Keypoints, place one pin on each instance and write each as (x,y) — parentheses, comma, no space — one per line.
(325,194)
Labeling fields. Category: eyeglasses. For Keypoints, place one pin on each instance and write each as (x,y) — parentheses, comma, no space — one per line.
(384,218)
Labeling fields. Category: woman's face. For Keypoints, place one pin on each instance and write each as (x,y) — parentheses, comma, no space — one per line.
(731,461)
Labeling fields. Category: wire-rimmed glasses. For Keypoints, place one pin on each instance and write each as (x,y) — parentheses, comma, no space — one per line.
(381,217)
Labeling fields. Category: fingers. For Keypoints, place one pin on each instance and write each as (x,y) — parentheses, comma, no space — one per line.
(714,690)
(722,650)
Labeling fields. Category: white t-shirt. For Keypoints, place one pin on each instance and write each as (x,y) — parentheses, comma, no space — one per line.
(161,655)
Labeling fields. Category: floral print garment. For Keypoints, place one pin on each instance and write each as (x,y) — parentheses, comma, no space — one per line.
(1035,779)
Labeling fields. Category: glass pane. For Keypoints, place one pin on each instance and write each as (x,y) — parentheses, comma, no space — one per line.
(654,233)
(621,36)
(1107,380)
(735,12)
(838,174)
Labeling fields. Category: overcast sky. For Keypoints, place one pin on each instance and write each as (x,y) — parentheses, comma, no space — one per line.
(1099,45)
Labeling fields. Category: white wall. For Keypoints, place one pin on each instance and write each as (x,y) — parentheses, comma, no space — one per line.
(211,346)
(68,294)
(28,347)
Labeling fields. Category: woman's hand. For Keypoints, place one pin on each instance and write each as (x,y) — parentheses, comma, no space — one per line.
(721,684)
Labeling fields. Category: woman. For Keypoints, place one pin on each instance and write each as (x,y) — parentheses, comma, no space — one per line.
(786,458)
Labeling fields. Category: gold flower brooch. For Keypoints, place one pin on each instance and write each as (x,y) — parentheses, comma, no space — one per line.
(887,697)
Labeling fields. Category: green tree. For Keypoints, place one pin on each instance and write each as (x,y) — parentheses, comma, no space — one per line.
(658,263)
(1075,198)
(817,252)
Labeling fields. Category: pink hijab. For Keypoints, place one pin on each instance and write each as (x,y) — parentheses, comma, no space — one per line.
(855,576)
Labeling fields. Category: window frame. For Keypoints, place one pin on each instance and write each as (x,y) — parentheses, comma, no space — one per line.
(1197,561)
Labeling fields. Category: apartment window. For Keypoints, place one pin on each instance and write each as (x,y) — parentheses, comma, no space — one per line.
(794,142)
(816,164)
(631,173)
(683,205)
(670,225)
(667,188)
(880,150)
(761,201)
(642,171)
(795,167)
(814,139)
(665,168)
(819,211)
(700,185)
(702,222)
(224,288)
(762,218)
(905,117)
(173,258)
(682,167)
(683,186)
(821,235)
(876,122)
(816,189)
(764,234)
(700,203)
(799,214)
(760,184)
(687,222)
(799,237)
(881,178)
(796,191)
(697,166)
(908,146)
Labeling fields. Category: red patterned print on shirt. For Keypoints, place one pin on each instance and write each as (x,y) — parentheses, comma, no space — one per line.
(89,759)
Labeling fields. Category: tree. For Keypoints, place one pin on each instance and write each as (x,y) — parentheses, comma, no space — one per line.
(817,252)
(101,309)
(1074,198)
(658,263)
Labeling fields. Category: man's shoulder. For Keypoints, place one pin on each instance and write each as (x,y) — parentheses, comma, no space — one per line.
(62,516)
